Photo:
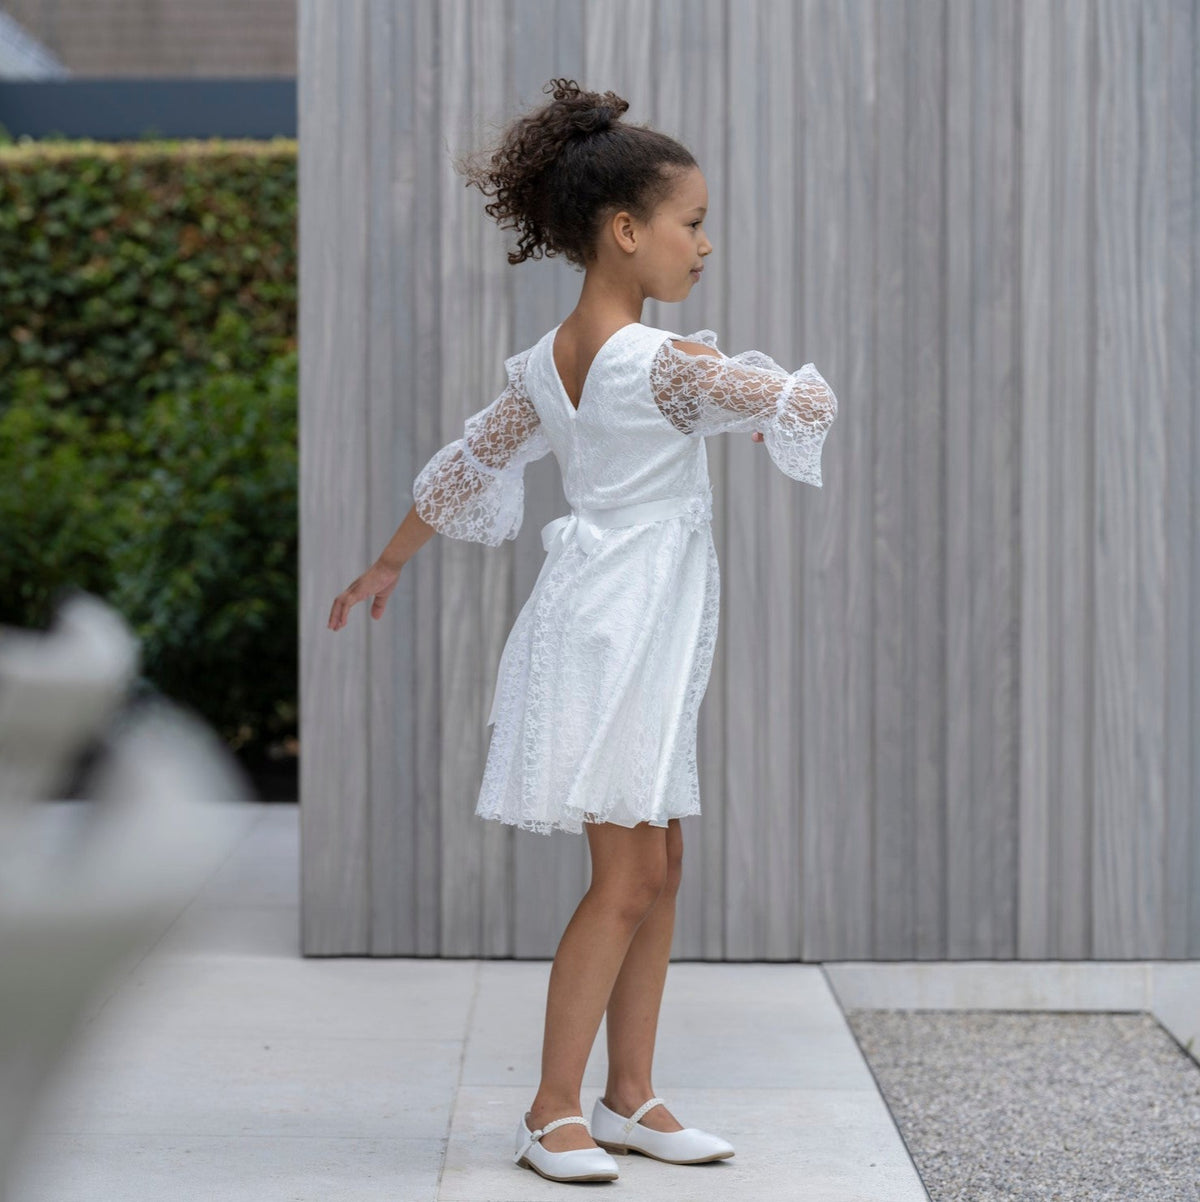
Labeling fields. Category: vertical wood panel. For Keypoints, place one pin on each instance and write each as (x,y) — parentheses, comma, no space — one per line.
(960,105)
(1038,447)
(927,83)
(459,354)
(829,122)
(779,527)
(1149,361)
(837,720)
(1193,652)
(1072,417)
(892,834)
(335,910)
(424,397)
(1183,845)
(490,335)
(1003,475)
(953,708)
(1115,718)
(741,597)
(389,466)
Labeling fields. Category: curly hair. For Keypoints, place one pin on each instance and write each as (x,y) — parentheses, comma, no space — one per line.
(558,171)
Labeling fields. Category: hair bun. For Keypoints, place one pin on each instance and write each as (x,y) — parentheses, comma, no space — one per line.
(596,119)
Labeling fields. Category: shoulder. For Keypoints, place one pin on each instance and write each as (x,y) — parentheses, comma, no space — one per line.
(515,365)
(699,342)
(694,348)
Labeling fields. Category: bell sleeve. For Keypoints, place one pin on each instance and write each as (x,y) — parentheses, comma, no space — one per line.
(474,488)
(706,394)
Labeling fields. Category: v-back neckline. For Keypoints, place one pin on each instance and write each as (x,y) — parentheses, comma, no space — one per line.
(571,407)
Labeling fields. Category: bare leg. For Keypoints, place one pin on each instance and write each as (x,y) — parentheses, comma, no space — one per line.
(629,869)
(633,1006)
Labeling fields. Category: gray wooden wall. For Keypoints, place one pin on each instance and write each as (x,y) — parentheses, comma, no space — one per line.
(954,709)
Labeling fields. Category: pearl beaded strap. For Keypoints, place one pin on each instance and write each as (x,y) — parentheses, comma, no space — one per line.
(535,1135)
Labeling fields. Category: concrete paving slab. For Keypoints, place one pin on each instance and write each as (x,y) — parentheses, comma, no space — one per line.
(1175,1001)
(263,870)
(812,1145)
(257,1085)
(796,1036)
(347,998)
(190,1168)
(756,1025)
(204,929)
(504,1041)
(991,985)
(220,1063)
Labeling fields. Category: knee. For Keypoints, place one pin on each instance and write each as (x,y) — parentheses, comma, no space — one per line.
(634,893)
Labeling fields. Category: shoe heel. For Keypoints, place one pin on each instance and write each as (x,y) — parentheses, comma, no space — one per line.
(614,1149)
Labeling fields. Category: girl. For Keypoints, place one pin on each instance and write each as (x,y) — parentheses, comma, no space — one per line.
(597,692)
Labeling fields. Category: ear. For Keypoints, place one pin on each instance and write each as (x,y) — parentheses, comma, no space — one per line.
(625,231)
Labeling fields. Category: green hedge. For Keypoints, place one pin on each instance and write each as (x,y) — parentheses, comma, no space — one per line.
(148,409)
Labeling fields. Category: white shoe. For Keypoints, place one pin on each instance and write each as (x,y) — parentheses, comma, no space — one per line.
(622,1135)
(577,1164)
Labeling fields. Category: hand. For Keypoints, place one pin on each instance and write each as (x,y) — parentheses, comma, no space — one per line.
(756,436)
(377,581)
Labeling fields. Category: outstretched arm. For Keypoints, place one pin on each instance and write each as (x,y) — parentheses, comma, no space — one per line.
(472,488)
(379,580)
(701,391)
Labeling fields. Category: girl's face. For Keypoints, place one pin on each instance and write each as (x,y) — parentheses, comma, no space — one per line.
(673,243)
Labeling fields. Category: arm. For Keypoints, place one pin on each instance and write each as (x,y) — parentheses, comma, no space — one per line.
(701,392)
(472,488)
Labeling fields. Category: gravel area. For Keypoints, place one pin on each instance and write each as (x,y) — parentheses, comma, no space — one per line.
(1036,1105)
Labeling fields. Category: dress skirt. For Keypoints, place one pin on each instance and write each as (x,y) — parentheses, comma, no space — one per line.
(597,695)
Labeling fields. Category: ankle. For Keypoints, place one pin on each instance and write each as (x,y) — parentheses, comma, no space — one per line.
(625,1099)
(546,1109)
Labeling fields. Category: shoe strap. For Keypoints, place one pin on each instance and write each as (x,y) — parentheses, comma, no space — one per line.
(632,1120)
(536,1135)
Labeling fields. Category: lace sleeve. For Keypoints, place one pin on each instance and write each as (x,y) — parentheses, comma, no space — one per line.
(474,487)
(713,394)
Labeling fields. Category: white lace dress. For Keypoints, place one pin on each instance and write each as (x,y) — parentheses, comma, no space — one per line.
(600,681)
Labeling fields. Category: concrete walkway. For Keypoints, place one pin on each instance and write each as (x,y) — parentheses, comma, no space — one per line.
(221,1065)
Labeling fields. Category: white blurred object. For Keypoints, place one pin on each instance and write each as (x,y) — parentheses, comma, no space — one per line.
(85,883)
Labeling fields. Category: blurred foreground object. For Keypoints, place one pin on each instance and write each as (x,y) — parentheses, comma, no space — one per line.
(86,882)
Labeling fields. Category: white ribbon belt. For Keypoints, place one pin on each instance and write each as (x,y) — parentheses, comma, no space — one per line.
(586,525)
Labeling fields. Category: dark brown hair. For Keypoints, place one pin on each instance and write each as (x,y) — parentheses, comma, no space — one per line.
(560,170)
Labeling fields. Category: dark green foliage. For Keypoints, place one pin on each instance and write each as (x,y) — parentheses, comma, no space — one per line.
(148,409)
(136,269)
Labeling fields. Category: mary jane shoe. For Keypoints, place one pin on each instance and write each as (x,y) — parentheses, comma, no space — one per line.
(577,1164)
(621,1135)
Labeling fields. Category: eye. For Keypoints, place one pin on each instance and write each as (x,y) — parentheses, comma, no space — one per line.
(697,222)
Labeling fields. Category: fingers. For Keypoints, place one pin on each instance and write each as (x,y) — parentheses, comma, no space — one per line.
(365,586)
(343,603)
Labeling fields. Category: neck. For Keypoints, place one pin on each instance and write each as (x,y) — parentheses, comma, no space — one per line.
(608,299)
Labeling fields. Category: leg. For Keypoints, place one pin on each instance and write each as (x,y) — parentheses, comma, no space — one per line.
(628,874)
(632,1021)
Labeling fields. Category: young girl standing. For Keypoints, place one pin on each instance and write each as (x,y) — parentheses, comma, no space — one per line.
(595,705)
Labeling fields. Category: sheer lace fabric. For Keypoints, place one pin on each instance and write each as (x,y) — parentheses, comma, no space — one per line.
(706,394)
(474,487)
(597,693)
(600,685)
